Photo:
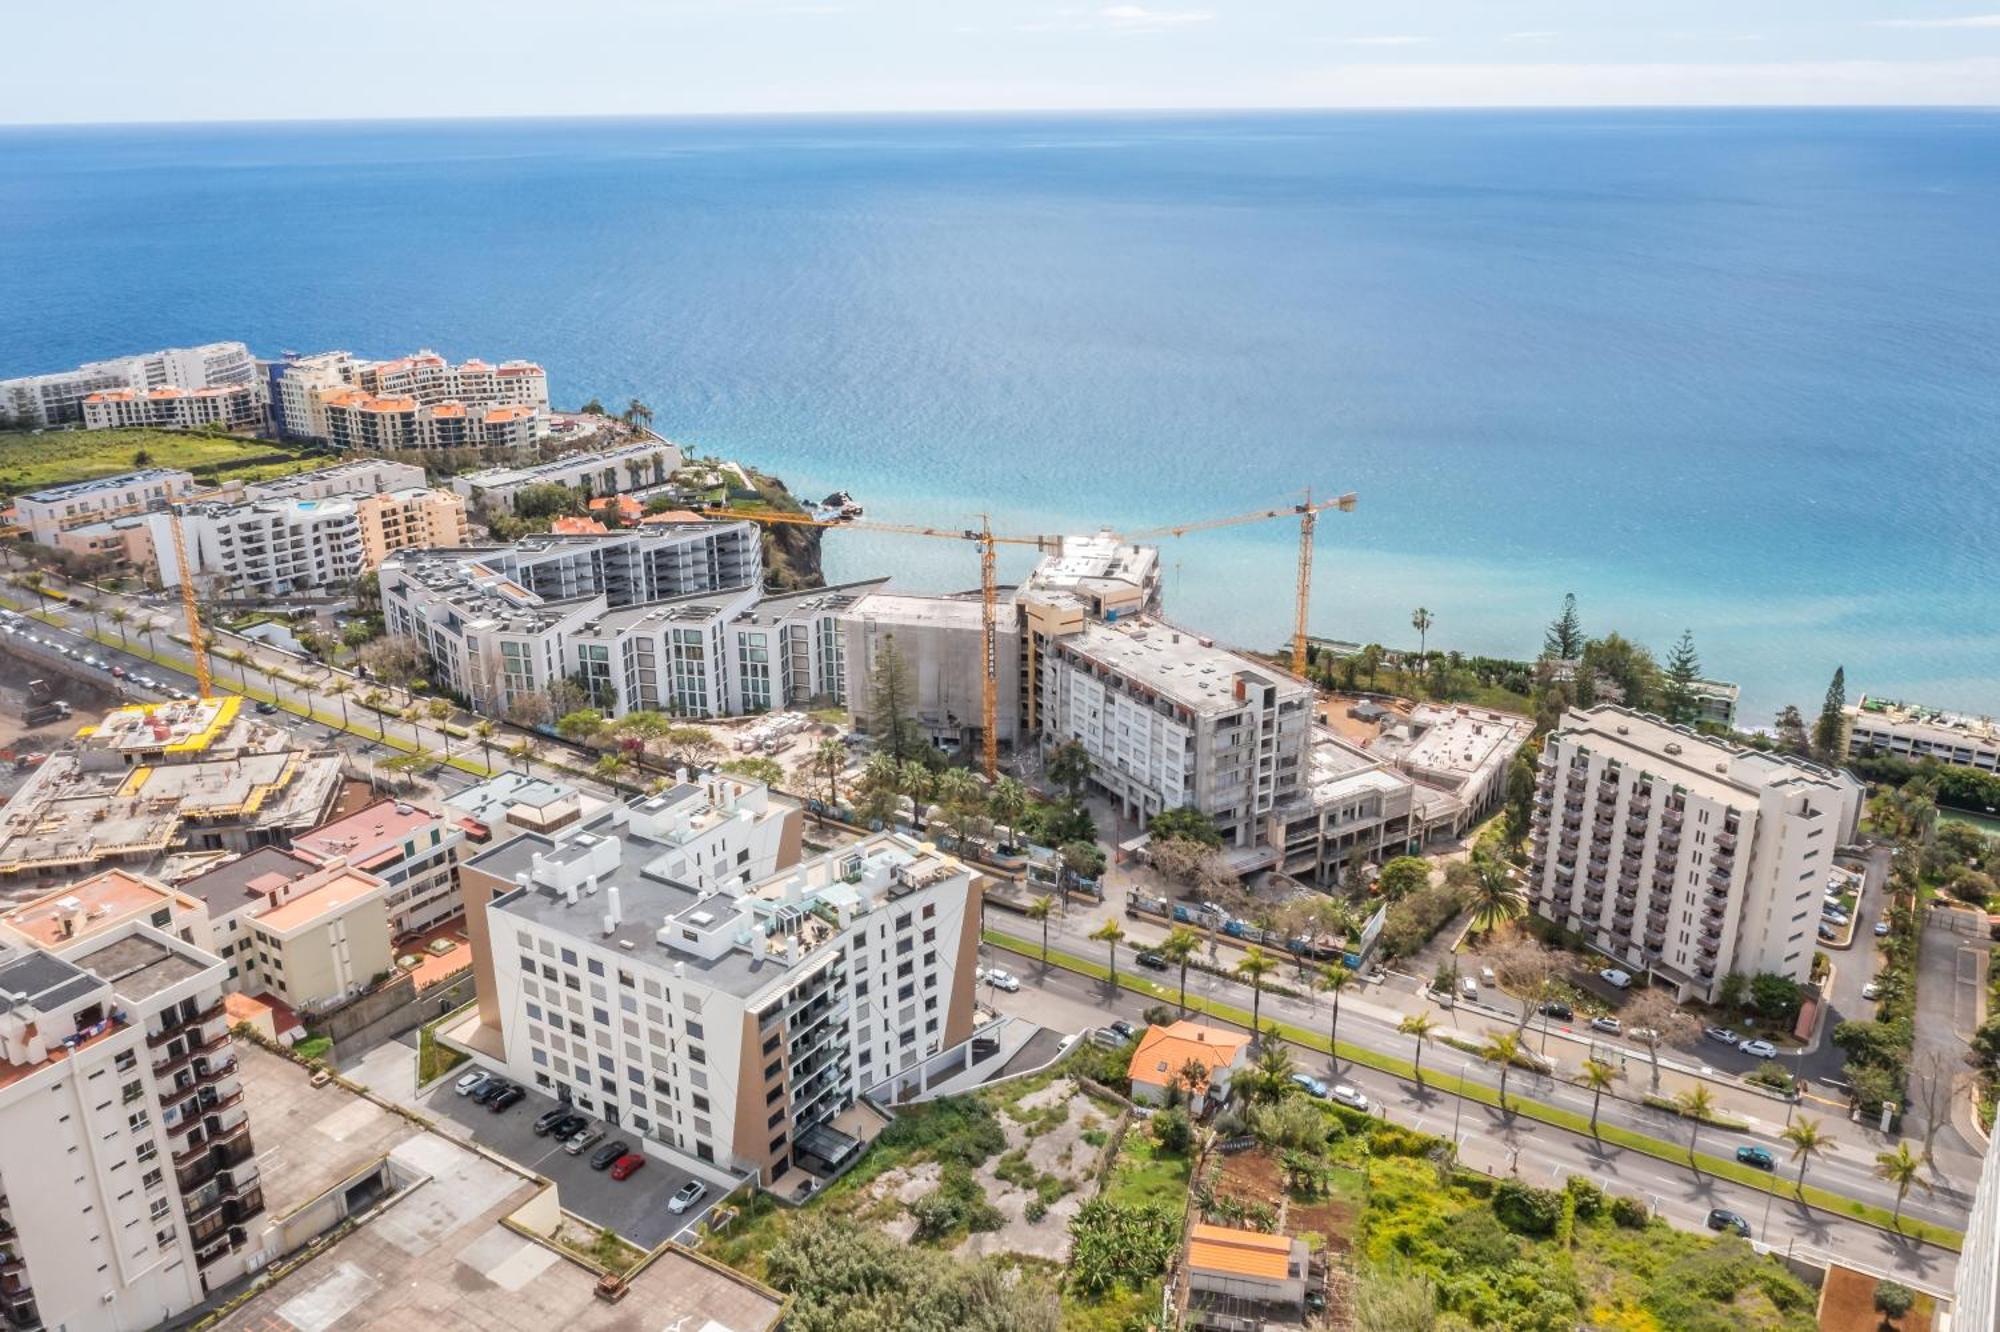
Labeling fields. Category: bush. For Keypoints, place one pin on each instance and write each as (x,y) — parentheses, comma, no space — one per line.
(1772,1074)
(1893,1299)
(1587,1198)
(1527,1210)
(1034,1211)
(956,1203)
(1395,1140)
(955,1129)
(1479,1240)
(1170,1130)
(1414,919)
(1631,1213)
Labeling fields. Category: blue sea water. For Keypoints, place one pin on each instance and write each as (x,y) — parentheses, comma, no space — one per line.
(1731,371)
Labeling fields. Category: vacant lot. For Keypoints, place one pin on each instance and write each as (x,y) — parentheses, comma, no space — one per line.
(30,462)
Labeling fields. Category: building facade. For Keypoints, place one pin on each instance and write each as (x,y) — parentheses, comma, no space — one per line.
(35,402)
(612,472)
(420,401)
(277,547)
(418,517)
(49,511)
(728,1026)
(231,406)
(1917,733)
(1681,855)
(942,645)
(415,851)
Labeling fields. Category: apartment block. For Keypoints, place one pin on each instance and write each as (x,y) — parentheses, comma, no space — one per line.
(1464,752)
(431,380)
(417,518)
(263,548)
(941,641)
(360,422)
(121,543)
(1352,808)
(307,934)
(726,1025)
(361,476)
(128,1180)
(412,849)
(513,802)
(421,401)
(1680,855)
(1915,732)
(47,512)
(230,406)
(39,401)
(612,472)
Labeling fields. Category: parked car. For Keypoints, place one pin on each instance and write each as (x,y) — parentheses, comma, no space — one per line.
(506,1099)
(1832,907)
(1721,1218)
(1556,1008)
(489,1089)
(1837,919)
(117,672)
(1152,961)
(471,1082)
(545,1123)
(1615,978)
(1721,1035)
(1002,980)
(1611,1026)
(627,1165)
(1872,990)
(1757,1157)
(1881,928)
(1468,988)
(1310,1085)
(267,707)
(1827,932)
(1350,1097)
(604,1156)
(687,1196)
(584,1139)
(1125,1030)
(568,1127)
(1758,1049)
(1107,1038)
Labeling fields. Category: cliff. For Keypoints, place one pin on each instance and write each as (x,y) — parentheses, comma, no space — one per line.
(791,554)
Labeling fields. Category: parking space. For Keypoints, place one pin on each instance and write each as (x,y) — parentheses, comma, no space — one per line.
(636,1207)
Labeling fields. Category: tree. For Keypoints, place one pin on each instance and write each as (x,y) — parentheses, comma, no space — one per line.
(1832,720)
(880,778)
(757,768)
(829,760)
(1421,620)
(637,414)
(1253,966)
(915,779)
(583,726)
(1697,1106)
(1270,1078)
(1654,1019)
(1371,661)
(610,763)
(1564,640)
(1418,1027)
(1193,1076)
(90,607)
(357,634)
(1069,768)
(892,703)
(1039,911)
(1402,876)
(1501,1048)
(964,800)
(1180,946)
(1893,1299)
(1902,1168)
(1333,979)
(119,615)
(1732,991)
(1808,1140)
(33,580)
(1625,665)
(1523,779)
(1791,733)
(1186,823)
(1596,1077)
(1523,965)
(1496,898)
(395,660)
(340,689)
(1008,801)
(1110,934)
(1082,860)
(1683,669)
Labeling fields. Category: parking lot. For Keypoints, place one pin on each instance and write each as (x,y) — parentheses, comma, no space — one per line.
(636,1208)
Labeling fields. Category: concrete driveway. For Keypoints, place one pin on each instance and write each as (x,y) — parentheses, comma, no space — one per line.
(636,1208)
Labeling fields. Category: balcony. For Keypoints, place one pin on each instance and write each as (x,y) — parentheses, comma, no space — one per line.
(1593,902)
(1627,900)
(1671,820)
(1727,841)
(1718,878)
(154,1040)
(1655,941)
(1706,973)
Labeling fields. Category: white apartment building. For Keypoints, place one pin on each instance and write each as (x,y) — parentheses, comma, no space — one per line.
(1169,720)
(128,1181)
(413,849)
(611,472)
(1914,732)
(267,548)
(1352,808)
(38,401)
(231,406)
(431,380)
(46,512)
(727,1026)
(1463,752)
(363,476)
(1682,855)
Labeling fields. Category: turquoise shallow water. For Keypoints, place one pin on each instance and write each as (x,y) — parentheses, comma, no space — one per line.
(1734,371)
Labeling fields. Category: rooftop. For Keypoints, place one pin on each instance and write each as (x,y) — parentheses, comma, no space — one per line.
(188,727)
(953,611)
(489,801)
(75,910)
(567,463)
(78,489)
(1164,1051)
(1959,728)
(226,888)
(1454,743)
(1097,566)
(1241,1252)
(139,967)
(774,607)
(1185,667)
(322,896)
(369,838)
(41,980)
(1711,768)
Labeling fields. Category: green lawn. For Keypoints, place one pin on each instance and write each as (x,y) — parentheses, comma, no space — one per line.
(31,462)
(1144,1173)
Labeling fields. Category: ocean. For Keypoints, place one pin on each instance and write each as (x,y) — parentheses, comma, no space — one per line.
(1735,372)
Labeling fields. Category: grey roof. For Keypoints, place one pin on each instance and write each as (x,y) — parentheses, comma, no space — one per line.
(75,488)
(839,596)
(227,887)
(139,967)
(489,799)
(42,979)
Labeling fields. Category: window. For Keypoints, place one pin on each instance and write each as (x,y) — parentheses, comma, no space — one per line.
(596,967)
(159,1209)
(152,1179)
(569,957)
(139,1122)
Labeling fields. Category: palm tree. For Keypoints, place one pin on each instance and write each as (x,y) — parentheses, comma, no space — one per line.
(610,763)
(1496,898)
(484,730)
(1180,945)
(90,607)
(1008,802)
(1040,910)
(340,689)
(1501,1048)
(637,411)
(1421,621)
(119,616)
(913,779)
(1418,1027)
(1902,1168)
(1335,978)
(1253,967)
(1697,1106)
(1808,1140)
(1272,1073)
(963,797)
(829,760)
(1597,1076)
(1111,934)
(33,579)
(147,628)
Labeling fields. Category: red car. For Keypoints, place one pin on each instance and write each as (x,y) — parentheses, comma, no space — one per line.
(626,1165)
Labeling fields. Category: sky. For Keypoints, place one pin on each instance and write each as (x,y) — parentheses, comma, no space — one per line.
(376,59)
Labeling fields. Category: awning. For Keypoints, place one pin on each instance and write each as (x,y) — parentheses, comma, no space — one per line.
(827,1145)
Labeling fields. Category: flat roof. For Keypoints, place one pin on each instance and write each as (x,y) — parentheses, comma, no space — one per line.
(189,726)
(959,610)
(138,967)
(1185,667)
(112,895)
(74,489)
(342,889)
(1458,741)
(368,836)
(1711,768)
(226,888)
(29,975)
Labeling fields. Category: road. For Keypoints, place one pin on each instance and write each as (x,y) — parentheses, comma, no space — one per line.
(1544,1154)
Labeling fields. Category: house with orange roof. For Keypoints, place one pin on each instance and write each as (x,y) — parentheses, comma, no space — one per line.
(1242,1278)
(1165,1054)
(569,525)
(627,508)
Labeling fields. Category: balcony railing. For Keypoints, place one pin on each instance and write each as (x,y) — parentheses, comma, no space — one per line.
(155,1040)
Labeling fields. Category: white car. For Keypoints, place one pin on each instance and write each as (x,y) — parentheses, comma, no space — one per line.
(1871,990)
(687,1196)
(1619,980)
(470,1082)
(1350,1097)
(1002,980)
(1759,1049)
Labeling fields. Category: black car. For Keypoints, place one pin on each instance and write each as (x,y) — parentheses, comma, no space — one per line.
(1556,1008)
(607,1155)
(1125,1029)
(506,1099)
(1721,1218)
(489,1089)
(545,1123)
(1153,961)
(267,707)
(568,1126)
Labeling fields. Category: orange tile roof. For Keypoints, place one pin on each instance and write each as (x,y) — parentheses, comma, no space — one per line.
(568,526)
(389,405)
(673,516)
(1164,1051)
(341,890)
(1239,1252)
(110,896)
(449,409)
(514,413)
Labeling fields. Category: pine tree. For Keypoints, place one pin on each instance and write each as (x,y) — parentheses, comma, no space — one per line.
(1683,669)
(1826,731)
(1564,640)
(892,704)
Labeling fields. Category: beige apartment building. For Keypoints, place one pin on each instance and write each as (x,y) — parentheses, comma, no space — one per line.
(412,517)
(231,406)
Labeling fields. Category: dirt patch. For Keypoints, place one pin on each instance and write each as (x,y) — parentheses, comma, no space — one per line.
(1053,1147)
(1251,1177)
(1847,1304)
(1333,715)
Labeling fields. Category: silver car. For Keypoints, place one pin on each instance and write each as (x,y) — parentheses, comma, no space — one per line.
(585,1140)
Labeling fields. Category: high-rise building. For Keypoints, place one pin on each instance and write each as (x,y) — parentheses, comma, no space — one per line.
(420,401)
(40,401)
(230,406)
(1679,854)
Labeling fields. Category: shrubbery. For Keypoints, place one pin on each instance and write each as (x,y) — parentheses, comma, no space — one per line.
(1629,1212)
(1527,1210)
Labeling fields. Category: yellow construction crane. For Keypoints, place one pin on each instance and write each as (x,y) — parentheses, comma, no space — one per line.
(197,642)
(983,537)
(1308,512)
